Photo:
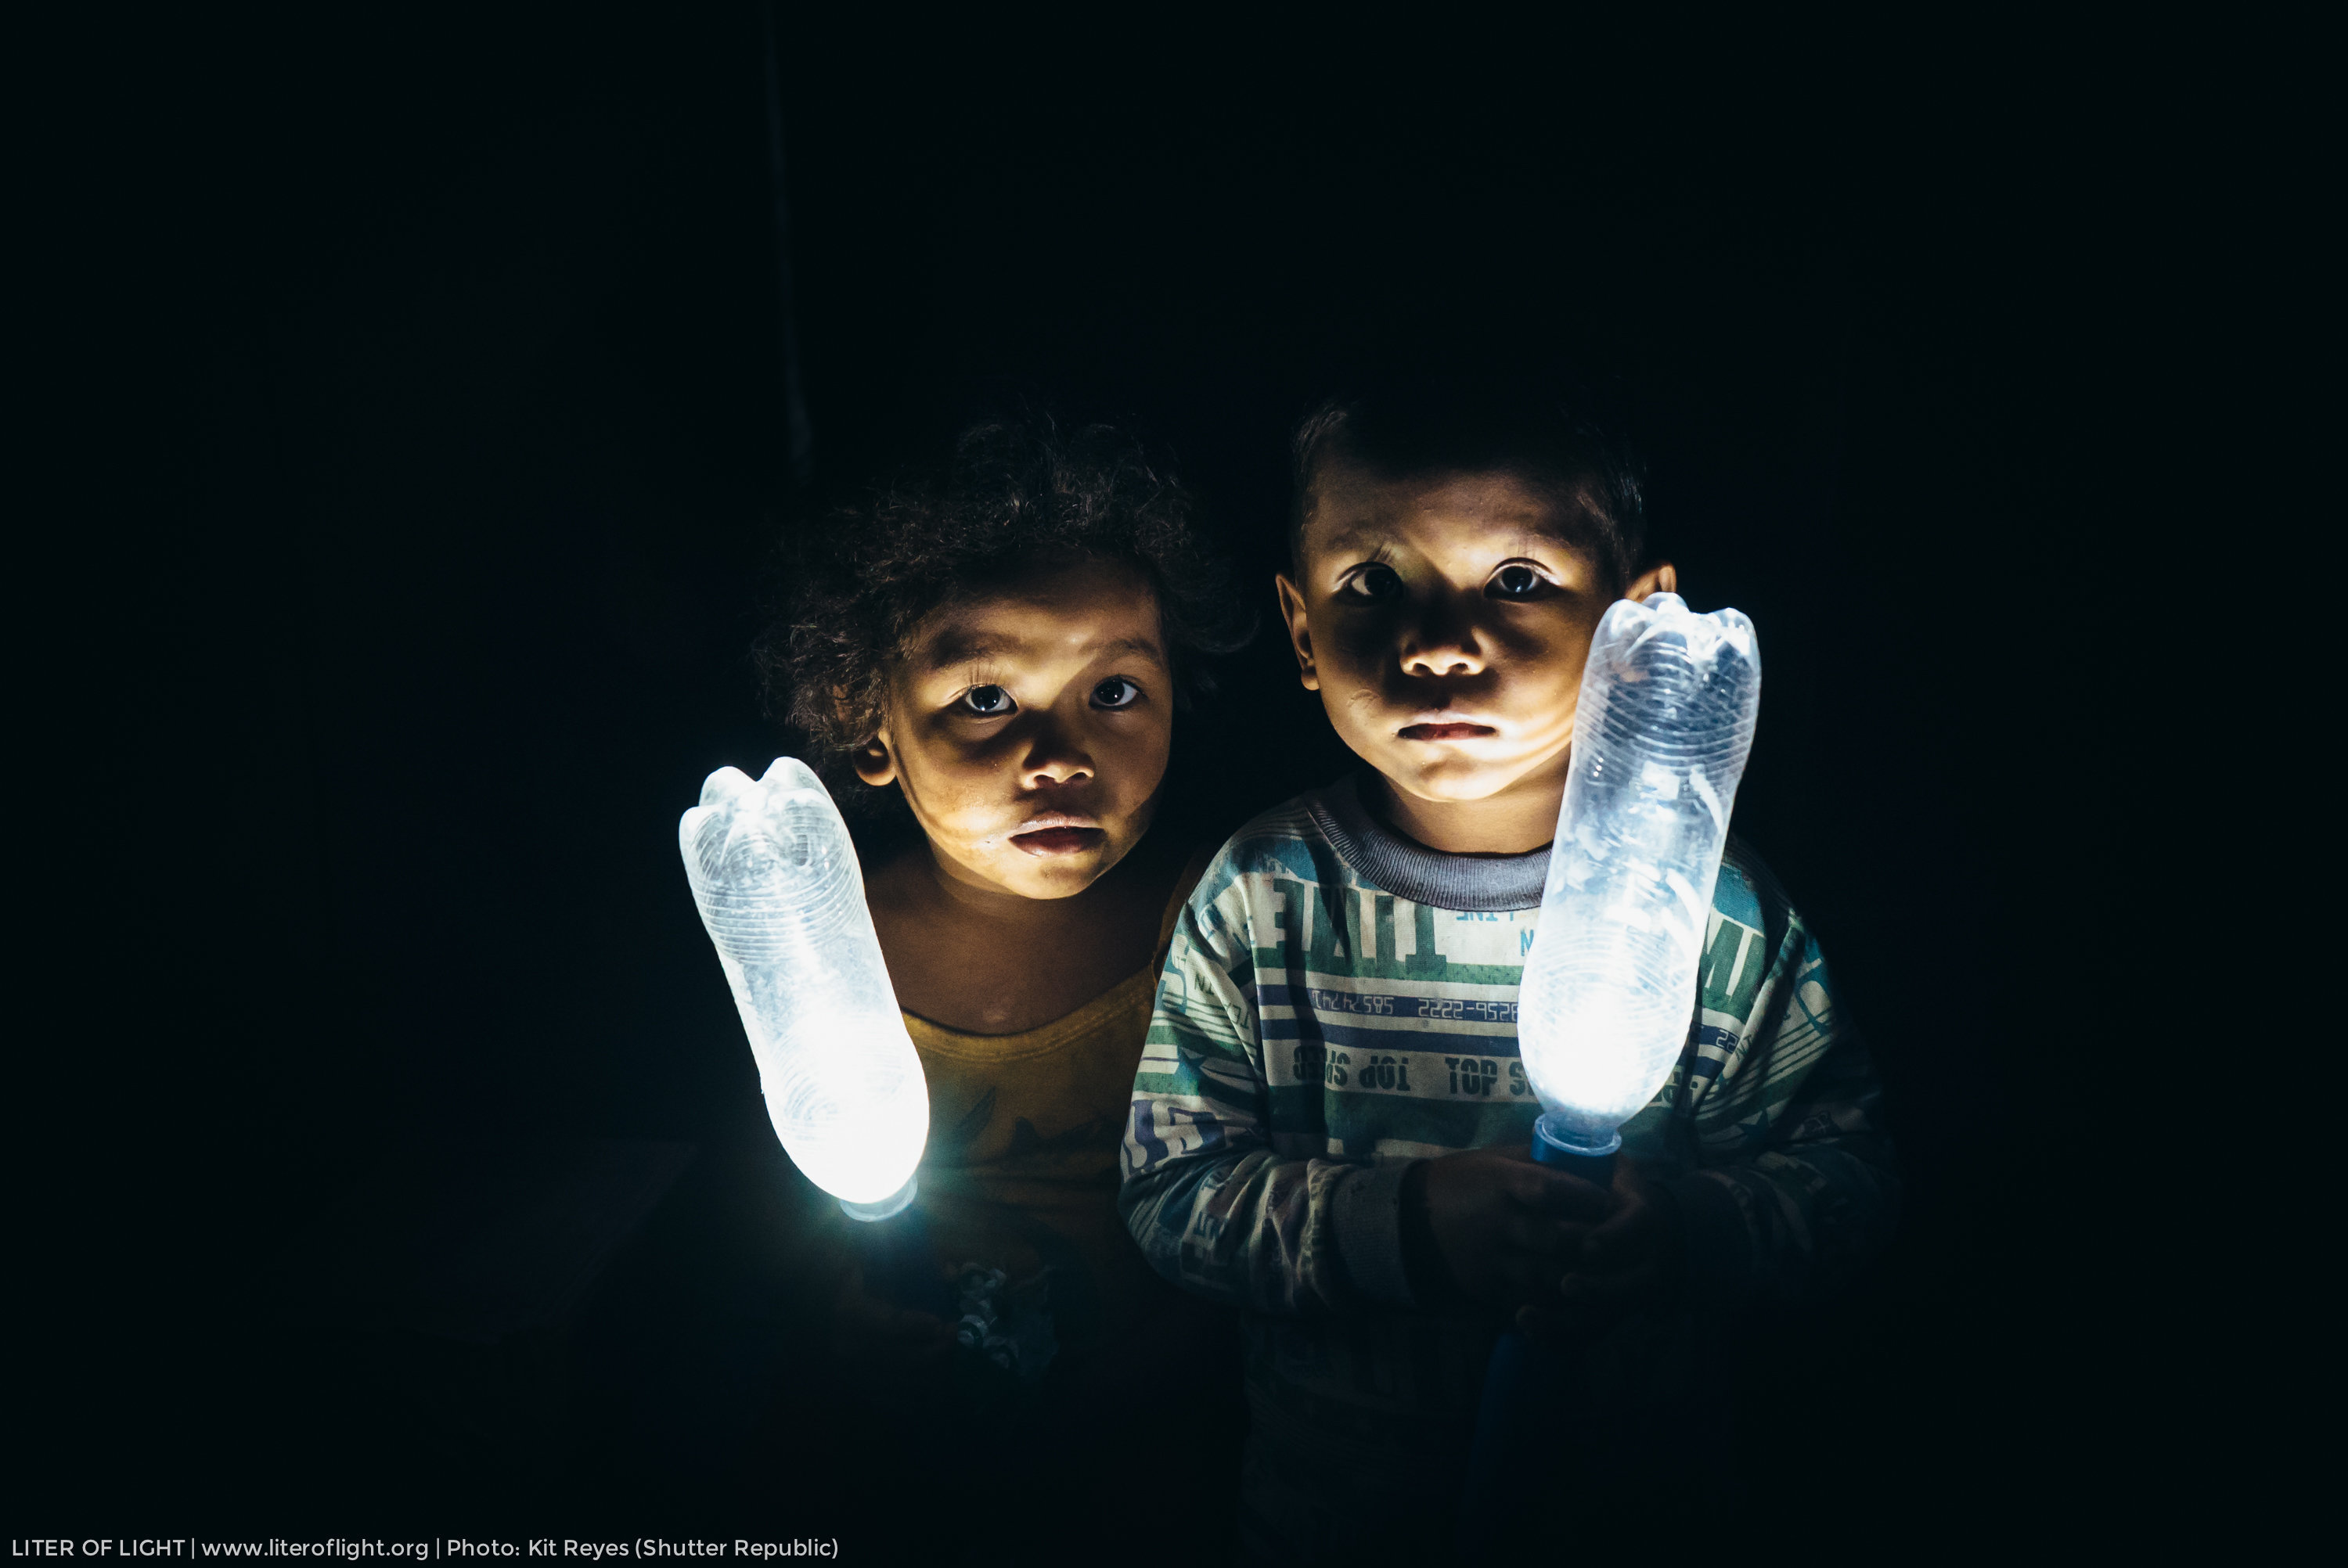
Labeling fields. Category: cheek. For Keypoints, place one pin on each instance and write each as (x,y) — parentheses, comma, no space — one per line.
(1359,642)
(1132,756)
(1565,679)
(944,782)
(1548,662)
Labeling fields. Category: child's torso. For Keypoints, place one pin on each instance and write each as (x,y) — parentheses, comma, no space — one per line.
(1020,1176)
(1021,1172)
(1389,1027)
(1388,1033)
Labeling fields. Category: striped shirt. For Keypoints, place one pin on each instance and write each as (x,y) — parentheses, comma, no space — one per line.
(1339,1001)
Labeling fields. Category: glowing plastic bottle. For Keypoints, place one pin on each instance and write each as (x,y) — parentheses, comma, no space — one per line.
(1666,723)
(779,889)
(1660,739)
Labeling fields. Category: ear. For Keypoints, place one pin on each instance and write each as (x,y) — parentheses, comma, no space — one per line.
(874,762)
(1661,577)
(1300,635)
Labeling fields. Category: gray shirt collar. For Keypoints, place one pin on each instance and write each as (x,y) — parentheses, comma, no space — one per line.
(1410,869)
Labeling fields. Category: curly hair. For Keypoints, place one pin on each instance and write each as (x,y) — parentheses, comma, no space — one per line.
(867,573)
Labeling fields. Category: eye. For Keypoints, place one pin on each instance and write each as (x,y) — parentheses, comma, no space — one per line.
(1117,692)
(1516,580)
(987,701)
(1373,583)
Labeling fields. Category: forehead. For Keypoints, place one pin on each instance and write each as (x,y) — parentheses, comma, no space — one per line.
(1086,611)
(1356,510)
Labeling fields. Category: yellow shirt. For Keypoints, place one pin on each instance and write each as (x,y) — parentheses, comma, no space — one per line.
(1021,1173)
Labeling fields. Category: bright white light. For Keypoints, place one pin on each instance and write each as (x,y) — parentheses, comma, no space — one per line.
(1660,740)
(781,892)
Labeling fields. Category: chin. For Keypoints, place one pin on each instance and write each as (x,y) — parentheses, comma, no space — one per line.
(1455,783)
(1063,877)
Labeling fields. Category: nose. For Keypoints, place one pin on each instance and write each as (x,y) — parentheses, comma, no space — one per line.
(1054,757)
(1442,643)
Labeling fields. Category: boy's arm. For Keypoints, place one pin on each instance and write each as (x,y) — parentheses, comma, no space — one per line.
(1215,1208)
(1794,1186)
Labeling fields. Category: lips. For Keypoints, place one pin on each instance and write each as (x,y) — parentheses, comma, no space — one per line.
(1050,841)
(1057,832)
(1446,731)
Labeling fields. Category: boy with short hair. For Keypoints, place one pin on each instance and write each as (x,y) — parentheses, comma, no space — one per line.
(1331,1124)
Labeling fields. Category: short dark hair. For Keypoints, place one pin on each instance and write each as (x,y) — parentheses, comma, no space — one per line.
(1008,493)
(1546,436)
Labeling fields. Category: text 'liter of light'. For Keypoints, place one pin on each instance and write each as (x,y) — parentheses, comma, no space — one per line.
(1666,723)
(776,877)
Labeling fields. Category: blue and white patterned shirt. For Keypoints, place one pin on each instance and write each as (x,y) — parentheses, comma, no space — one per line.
(1339,1001)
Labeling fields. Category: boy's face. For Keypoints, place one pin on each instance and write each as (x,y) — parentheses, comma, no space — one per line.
(1029,728)
(1445,620)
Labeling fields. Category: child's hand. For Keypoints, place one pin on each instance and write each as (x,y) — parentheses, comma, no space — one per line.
(1502,1226)
(1633,1259)
(876,1345)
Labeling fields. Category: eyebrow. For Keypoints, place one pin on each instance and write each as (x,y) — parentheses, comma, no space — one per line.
(950,648)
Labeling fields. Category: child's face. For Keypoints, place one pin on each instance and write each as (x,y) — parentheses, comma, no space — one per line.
(1444,621)
(1029,728)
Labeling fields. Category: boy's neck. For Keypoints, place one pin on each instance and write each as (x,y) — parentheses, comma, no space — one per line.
(1518,820)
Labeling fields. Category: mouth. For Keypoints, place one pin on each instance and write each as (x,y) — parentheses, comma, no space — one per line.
(1446,727)
(1059,833)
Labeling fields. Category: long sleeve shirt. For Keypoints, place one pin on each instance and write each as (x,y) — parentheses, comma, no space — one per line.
(1339,1002)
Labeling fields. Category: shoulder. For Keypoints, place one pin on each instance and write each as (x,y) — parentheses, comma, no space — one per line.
(1749,893)
(1282,841)
(1186,882)
(1243,879)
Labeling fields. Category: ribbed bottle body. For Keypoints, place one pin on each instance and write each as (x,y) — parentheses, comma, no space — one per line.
(776,877)
(1665,724)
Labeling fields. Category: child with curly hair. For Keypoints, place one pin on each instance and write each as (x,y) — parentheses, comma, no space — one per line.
(985,660)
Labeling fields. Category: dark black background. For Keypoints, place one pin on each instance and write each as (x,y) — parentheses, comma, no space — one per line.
(436,367)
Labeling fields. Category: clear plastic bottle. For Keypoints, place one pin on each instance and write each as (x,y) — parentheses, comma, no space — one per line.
(1666,723)
(779,889)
